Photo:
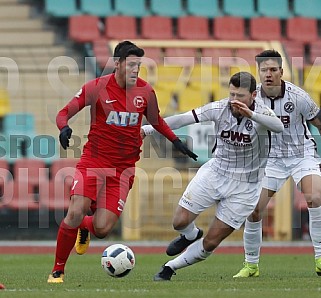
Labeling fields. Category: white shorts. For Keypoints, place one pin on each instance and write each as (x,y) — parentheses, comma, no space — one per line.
(235,200)
(278,170)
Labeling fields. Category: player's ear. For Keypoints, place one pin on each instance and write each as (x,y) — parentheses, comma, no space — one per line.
(254,93)
(281,71)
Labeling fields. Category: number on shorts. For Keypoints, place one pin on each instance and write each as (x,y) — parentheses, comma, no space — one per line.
(75,183)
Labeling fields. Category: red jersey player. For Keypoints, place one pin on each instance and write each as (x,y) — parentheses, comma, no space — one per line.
(105,172)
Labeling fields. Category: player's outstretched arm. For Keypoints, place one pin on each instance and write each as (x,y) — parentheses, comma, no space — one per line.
(174,122)
(165,127)
(271,122)
(267,118)
(78,102)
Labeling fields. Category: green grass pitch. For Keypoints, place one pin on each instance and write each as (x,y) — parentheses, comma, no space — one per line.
(281,276)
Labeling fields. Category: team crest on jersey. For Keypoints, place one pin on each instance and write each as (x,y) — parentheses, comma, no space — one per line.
(138,101)
(248,125)
(289,107)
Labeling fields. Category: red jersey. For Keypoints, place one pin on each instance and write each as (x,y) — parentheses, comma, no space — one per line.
(116,116)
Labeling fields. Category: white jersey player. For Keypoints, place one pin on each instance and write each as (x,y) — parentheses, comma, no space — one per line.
(232,178)
(294,107)
(293,153)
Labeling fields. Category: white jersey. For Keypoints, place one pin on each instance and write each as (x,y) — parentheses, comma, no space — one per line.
(294,107)
(242,145)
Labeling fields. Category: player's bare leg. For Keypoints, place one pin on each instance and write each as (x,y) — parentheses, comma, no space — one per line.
(104,221)
(252,237)
(67,234)
(311,188)
(183,223)
(197,251)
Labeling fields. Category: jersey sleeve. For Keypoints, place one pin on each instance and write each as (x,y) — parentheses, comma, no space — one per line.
(153,117)
(267,118)
(309,109)
(82,98)
(208,112)
(174,122)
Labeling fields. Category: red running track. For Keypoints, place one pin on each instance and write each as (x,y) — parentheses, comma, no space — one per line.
(158,249)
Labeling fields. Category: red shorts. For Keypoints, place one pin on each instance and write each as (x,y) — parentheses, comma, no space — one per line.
(108,188)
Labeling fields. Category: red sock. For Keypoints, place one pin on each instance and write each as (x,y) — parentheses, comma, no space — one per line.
(87,223)
(66,239)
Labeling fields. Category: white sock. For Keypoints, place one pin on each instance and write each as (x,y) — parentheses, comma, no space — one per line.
(315,229)
(190,232)
(252,237)
(193,254)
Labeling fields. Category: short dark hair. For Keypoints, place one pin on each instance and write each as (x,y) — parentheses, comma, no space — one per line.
(243,79)
(126,48)
(269,54)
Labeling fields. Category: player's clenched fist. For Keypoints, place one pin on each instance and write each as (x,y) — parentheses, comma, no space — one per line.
(183,148)
(64,136)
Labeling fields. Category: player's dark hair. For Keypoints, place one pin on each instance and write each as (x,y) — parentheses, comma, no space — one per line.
(267,55)
(126,48)
(243,79)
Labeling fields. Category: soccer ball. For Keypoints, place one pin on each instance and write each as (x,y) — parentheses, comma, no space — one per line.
(118,260)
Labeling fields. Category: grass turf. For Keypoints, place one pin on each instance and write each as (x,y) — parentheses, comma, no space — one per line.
(280,276)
